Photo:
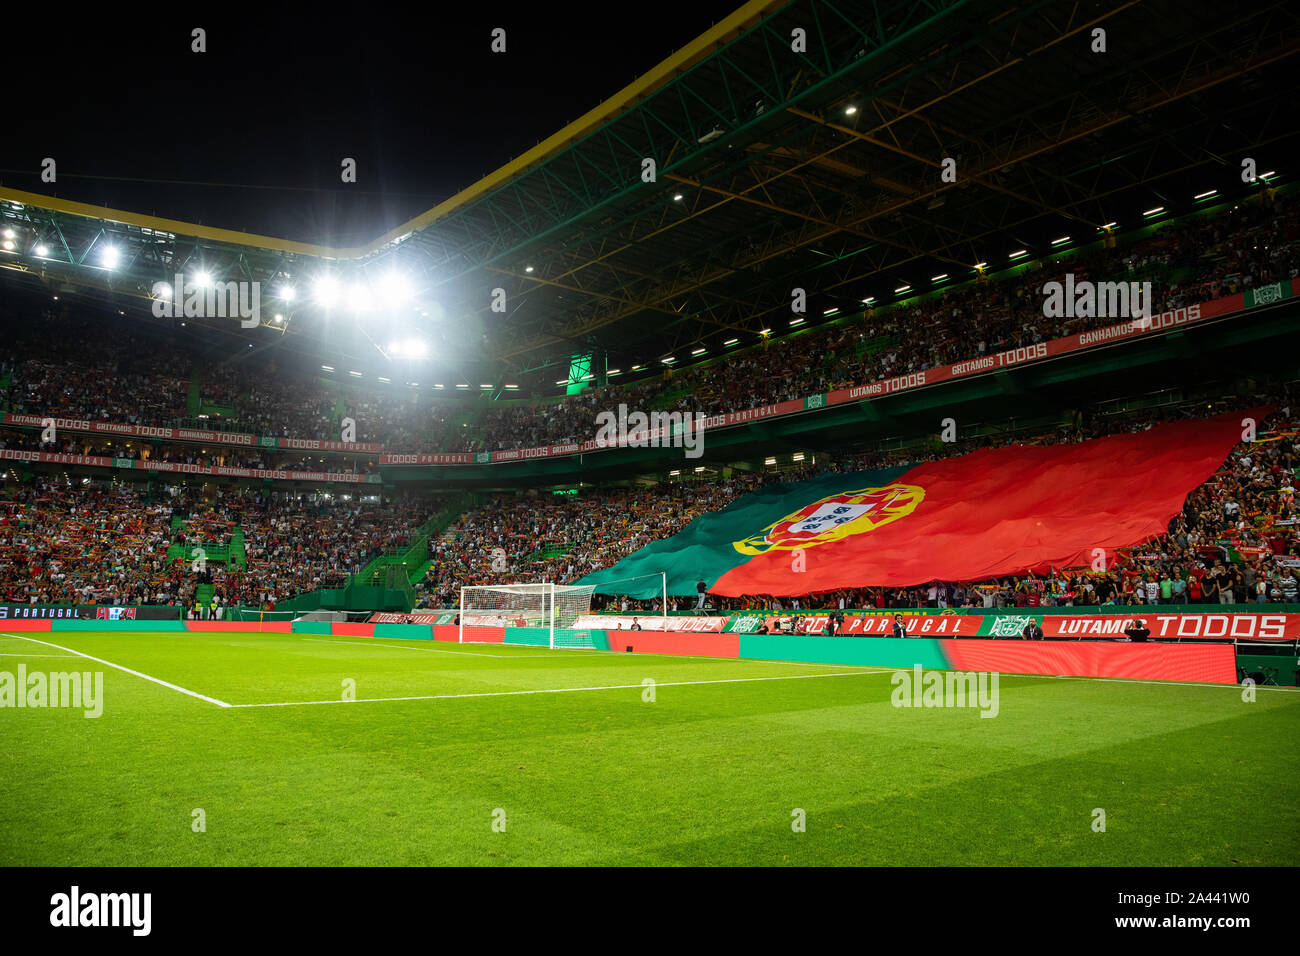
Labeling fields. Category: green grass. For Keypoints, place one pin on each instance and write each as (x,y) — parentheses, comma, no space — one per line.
(704,774)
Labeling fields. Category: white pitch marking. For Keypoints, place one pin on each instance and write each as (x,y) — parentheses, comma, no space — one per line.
(554,690)
(210,700)
(61,657)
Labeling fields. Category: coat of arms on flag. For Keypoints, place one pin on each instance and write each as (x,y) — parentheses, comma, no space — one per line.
(834,518)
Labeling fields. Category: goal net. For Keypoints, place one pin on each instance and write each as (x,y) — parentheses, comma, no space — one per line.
(552,607)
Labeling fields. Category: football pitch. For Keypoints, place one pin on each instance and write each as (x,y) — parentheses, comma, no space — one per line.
(241,749)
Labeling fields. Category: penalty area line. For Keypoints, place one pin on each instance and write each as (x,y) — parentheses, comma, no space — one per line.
(555,690)
(97,660)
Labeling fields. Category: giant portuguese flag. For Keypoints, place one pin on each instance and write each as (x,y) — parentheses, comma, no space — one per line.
(991,513)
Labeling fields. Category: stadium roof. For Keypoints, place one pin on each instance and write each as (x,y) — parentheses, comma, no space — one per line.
(777,169)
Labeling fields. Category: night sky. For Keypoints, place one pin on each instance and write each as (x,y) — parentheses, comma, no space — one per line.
(136,121)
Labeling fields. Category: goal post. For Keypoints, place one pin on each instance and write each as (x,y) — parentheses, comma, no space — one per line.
(549,606)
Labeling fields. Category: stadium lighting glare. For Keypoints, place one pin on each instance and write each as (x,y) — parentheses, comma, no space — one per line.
(903,288)
(395,289)
(1110,225)
(328,368)
(794,322)
(1154,212)
(765,332)
(698,351)
(203,279)
(830,311)
(939,278)
(355,374)
(358,298)
(326,289)
(9,245)
(981,265)
(798,457)
(850,110)
(512,386)
(669,360)
(462,386)
(675,471)
(699,469)
(287,293)
(9,233)
(109,256)
(528,268)
(1057,242)
(42,249)
(1268,175)
(407,348)
(677,197)
(769,461)
(279,317)
(637,368)
(614,371)
(388,381)
(731,341)
(1207,194)
(439,385)
(868,300)
(562,381)
(485,386)
(1018,253)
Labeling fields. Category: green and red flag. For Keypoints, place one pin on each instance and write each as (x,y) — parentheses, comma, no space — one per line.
(995,512)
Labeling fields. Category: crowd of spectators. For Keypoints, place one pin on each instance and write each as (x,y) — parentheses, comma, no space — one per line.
(116,376)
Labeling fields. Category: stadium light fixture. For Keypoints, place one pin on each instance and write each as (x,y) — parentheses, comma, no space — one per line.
(677,197)
(1268,175)
(731,342)
(769,461)
(698,351)
(699,469)
(485,386)
(354,374)
(528,269)
(794,322)
(868,300)
(1153,212)
(939,278)
(850,110)
(765,332)
(676,471)
(462,386)
(109,257)
(388,381)
(9,245)
(829,311)
(1110,225)
(438,385)
(669,360)
(1018,254)
(637,368)
(9,233)
(203,279)
(512,387)
(562,382)
(279,317)
(286,292)
(981,266)
(328,368)
(1060,241)
(1207,194)
(903,288)
(42,250)
(798,457)
(613,371)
